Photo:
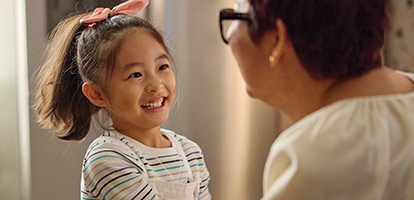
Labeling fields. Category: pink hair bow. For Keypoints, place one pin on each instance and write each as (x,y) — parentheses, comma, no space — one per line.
(130,7)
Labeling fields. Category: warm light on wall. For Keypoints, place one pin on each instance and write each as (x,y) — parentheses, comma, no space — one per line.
(14,105)
(23,98)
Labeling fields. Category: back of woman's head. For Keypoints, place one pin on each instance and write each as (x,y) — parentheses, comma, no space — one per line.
(75,54)
(332,38)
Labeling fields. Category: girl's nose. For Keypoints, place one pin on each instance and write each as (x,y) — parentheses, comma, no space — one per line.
(154,85)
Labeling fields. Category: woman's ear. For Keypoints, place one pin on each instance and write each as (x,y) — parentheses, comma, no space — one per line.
(94,94)
(281,41)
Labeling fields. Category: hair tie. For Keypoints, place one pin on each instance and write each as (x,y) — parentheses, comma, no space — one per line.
(130,7)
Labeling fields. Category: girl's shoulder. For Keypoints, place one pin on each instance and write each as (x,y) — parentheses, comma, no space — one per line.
(106,144)
(106,140)
(106,147)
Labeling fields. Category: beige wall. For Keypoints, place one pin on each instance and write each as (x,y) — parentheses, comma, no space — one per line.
(9,137)
(14,176)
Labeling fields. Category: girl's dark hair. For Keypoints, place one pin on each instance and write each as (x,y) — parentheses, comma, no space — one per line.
(76,54)
(332,38)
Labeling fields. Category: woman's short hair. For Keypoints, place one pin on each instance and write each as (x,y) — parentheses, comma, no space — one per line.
(332,38)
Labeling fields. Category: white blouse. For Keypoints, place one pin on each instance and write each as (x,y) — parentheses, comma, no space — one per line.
(358,149)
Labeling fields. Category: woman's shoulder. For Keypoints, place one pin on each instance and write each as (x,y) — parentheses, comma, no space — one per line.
(353,119)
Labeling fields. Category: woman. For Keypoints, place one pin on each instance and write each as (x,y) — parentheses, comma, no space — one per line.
(320,63)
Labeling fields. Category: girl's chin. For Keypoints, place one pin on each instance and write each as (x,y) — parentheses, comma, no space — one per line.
(157,120)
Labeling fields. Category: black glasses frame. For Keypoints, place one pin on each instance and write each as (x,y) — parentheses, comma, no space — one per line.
(230,14)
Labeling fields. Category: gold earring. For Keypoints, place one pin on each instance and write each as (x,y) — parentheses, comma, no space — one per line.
(272,61)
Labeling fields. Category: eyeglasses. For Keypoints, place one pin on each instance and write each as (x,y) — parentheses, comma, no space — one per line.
(227,17)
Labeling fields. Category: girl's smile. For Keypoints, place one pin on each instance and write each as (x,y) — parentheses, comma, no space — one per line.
(155,105)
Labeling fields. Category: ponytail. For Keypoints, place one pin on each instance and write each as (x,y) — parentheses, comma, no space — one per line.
(59,102)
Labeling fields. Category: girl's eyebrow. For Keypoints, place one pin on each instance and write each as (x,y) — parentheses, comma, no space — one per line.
(163,56)
(133,64)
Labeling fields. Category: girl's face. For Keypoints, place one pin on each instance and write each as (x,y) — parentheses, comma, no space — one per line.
(141,90)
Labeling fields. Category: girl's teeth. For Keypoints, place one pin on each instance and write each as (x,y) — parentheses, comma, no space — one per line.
(154,105)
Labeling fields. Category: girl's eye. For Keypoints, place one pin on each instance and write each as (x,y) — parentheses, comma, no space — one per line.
(163,67)
(135,75)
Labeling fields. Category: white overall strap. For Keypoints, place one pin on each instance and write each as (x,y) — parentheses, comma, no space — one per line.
(181,153)
(193,179)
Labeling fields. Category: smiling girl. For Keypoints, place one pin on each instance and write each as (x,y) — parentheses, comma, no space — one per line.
(115,64)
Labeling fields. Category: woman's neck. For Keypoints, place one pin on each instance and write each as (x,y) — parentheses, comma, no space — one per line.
(377,82)
(296,93)
(301,103)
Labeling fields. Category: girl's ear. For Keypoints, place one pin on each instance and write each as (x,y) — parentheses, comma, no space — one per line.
(281,42)
(94,94)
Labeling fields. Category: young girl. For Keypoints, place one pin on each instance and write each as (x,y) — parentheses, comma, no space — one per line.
(117,64)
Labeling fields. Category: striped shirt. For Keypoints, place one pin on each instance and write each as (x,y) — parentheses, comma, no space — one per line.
(118,167)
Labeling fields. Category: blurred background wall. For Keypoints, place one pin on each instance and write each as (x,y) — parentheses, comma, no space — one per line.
(399,47)
(14,120)
(212,108)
